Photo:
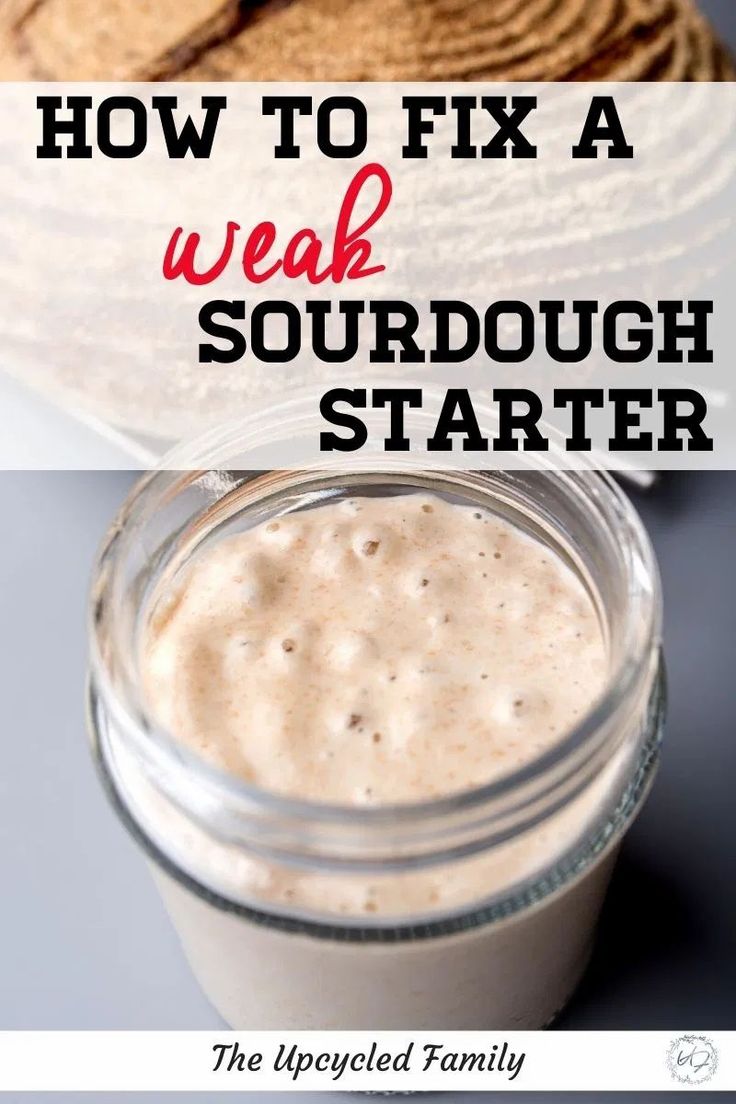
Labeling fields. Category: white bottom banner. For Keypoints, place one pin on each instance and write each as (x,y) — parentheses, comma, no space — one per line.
(202,1061)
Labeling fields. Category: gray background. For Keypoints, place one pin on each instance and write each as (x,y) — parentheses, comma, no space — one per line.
(84,941)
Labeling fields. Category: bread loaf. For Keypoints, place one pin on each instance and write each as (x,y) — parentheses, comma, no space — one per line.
(111,39)
(359,40)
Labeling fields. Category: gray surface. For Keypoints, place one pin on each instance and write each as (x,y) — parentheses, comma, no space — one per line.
(723,15)
(84,940)
(363,1098)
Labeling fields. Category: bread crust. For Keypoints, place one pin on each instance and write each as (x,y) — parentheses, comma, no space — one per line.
(115,40)
(307,40)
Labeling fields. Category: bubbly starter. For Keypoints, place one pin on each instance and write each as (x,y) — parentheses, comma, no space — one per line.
(366,652)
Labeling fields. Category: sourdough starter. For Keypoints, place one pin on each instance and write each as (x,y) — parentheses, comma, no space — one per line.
(370,652)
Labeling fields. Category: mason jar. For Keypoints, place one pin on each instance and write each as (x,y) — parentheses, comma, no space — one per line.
(521,864)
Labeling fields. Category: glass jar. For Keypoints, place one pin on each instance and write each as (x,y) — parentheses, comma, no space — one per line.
(521,864)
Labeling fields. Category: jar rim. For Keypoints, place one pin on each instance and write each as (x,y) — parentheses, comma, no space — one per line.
(207,791)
